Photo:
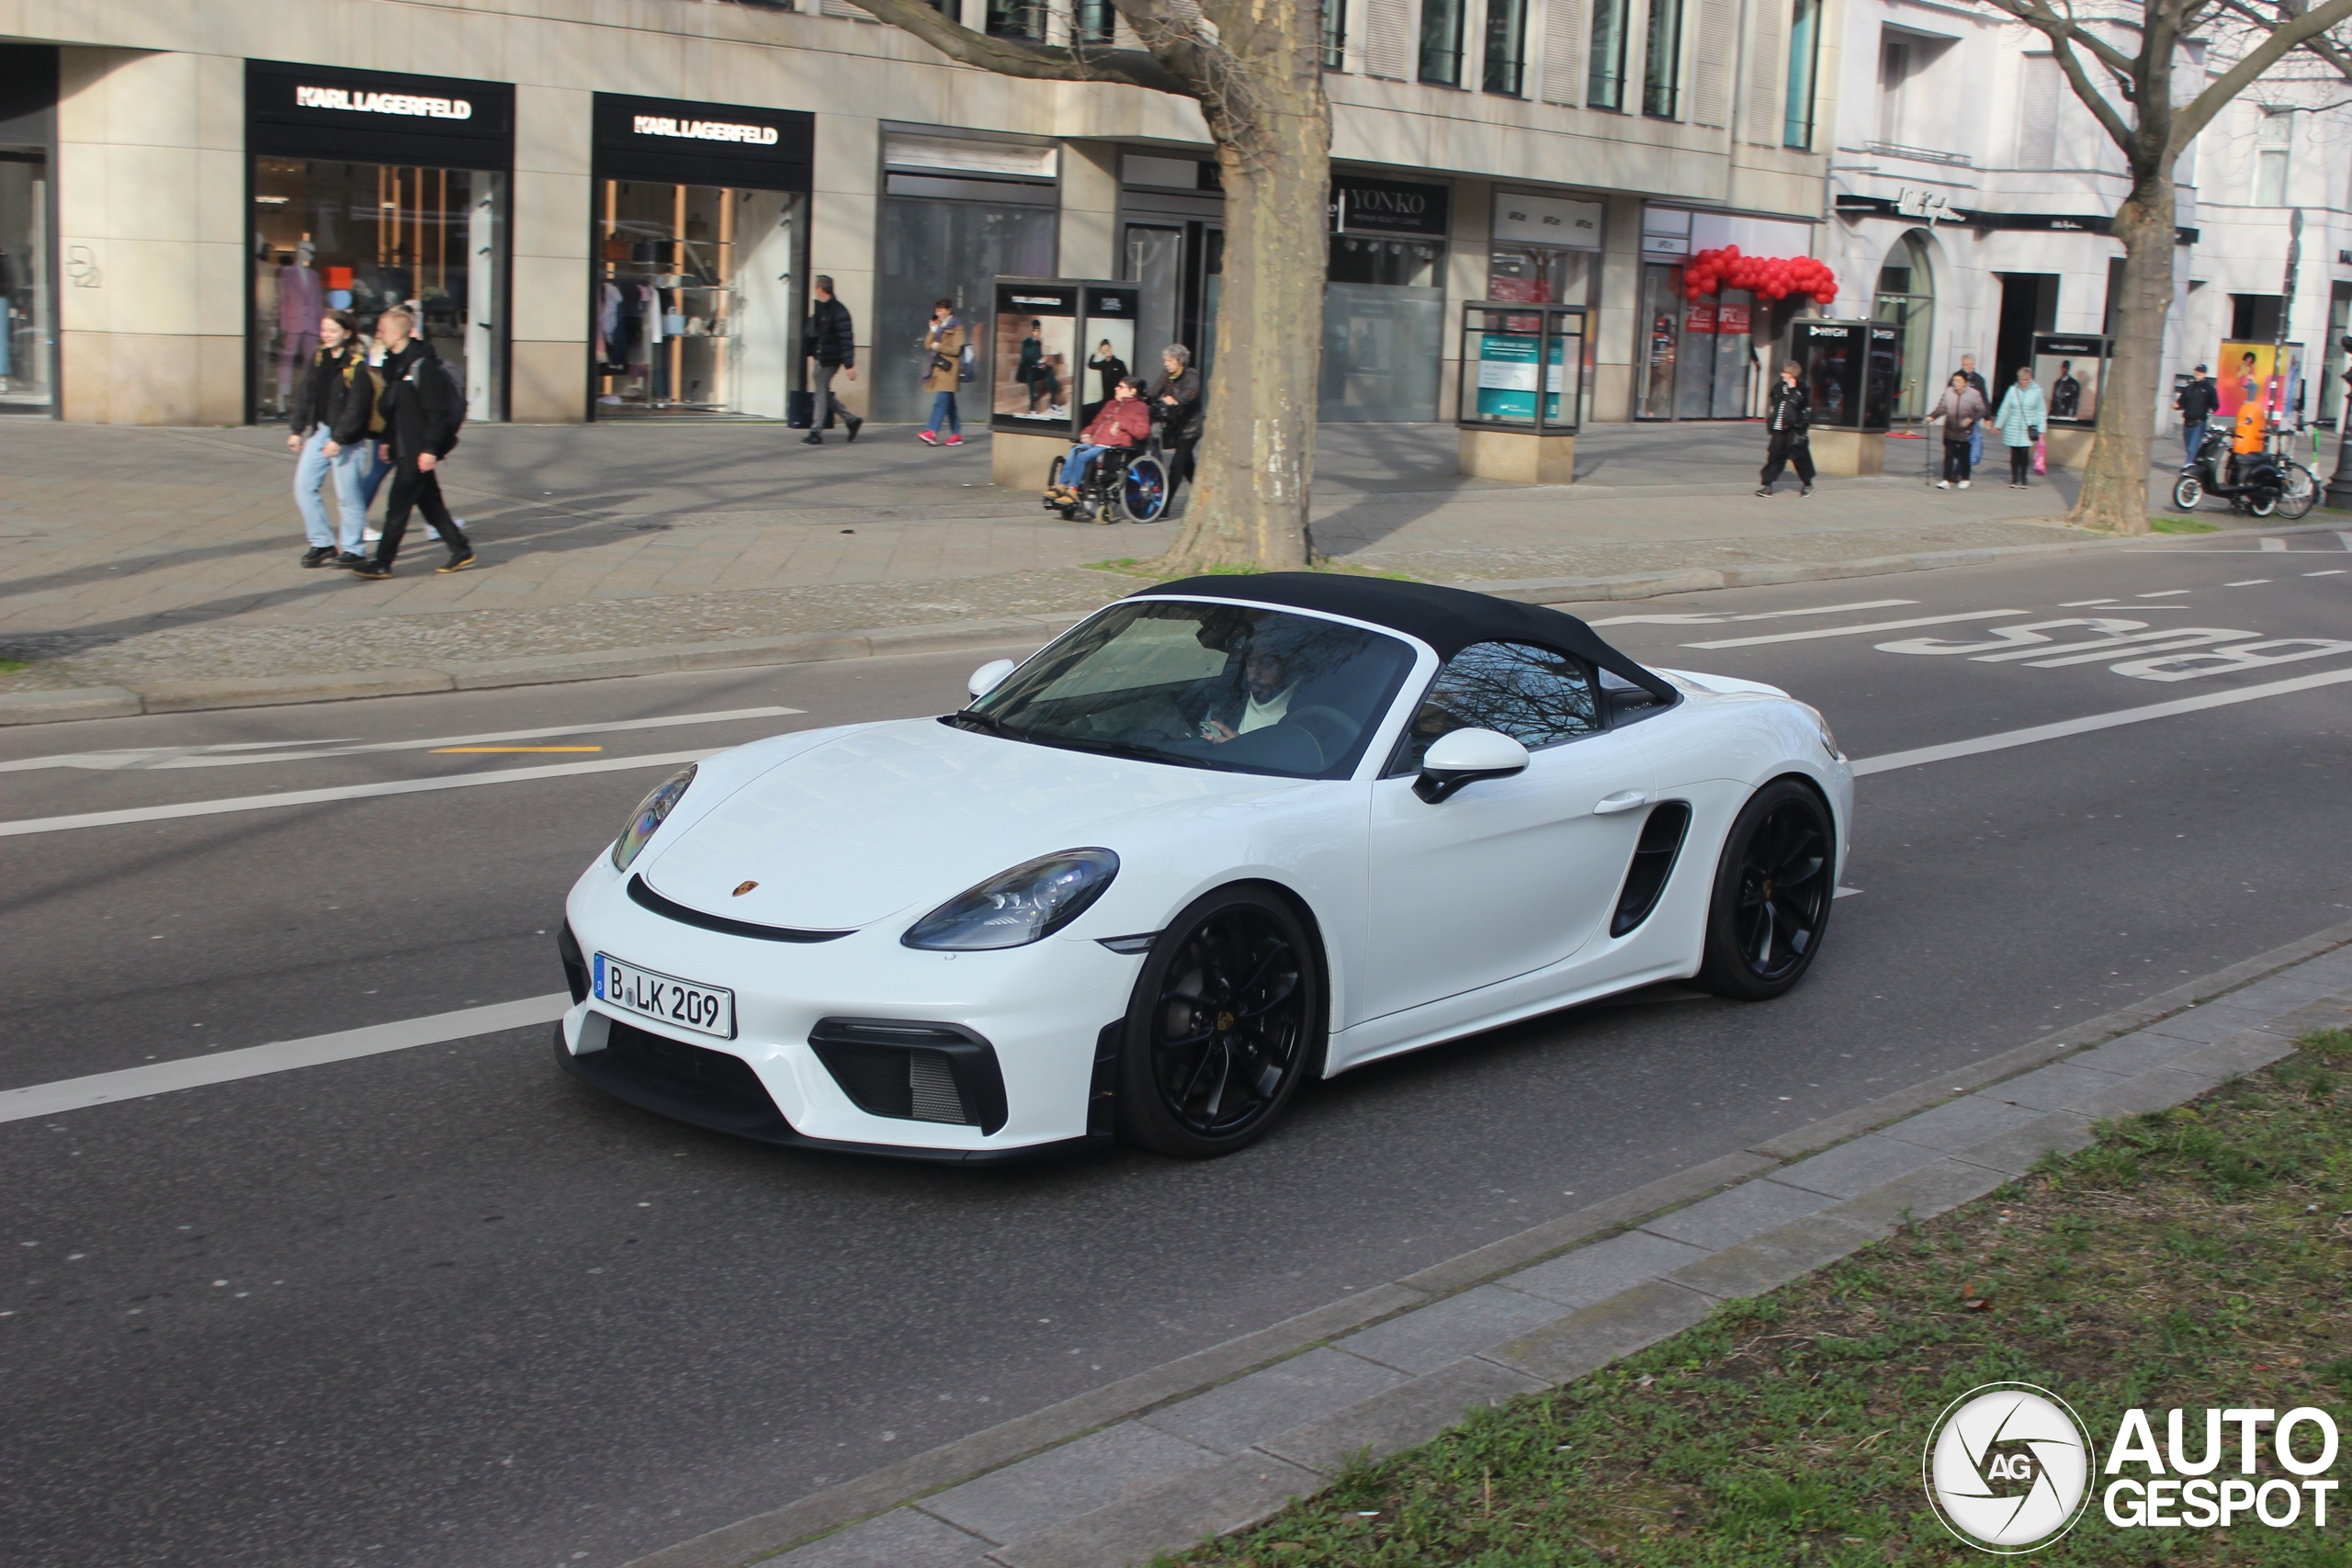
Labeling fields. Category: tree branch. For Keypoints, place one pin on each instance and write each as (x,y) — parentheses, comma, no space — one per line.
(1021,57)
(2062,34)
(2196,115)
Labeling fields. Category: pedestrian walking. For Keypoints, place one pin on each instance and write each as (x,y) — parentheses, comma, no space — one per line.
(1788,416)
(1984,391)
(833,344)
(334,406)
(1961,409)
(2197,402)
(1175,400)
(420,430)
(943,339)
(2022,414)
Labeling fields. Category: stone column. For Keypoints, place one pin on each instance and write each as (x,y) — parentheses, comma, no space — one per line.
(1089,240)
(845,214)
(151,187)
(554,209)
(1618,342)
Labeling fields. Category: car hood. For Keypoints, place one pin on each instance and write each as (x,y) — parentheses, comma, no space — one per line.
(887,817)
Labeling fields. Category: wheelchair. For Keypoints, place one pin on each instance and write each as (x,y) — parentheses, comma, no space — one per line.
(1125,483)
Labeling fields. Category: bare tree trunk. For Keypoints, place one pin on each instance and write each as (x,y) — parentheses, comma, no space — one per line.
(1256,456)
(2115,483)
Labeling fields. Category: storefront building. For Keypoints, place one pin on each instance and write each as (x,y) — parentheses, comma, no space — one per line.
(614,212)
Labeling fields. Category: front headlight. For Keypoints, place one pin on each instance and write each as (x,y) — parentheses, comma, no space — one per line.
(651,813)
(1027,903)
(1828,740)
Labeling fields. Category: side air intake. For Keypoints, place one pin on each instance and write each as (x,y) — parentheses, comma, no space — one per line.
(913,1071)
(1654,857)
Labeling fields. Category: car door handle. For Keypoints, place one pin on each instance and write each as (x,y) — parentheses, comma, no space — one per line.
(1623,800)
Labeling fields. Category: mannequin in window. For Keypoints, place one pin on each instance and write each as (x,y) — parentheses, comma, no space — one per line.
(301,298)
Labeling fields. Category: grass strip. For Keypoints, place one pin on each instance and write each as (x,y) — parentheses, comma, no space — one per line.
(2199,1257)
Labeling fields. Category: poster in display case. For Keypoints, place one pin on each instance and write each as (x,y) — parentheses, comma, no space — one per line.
(2071,369)
(1507,353)
(1847,369)
(1060,346)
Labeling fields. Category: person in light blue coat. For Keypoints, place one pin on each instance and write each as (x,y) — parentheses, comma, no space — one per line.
(2019,419)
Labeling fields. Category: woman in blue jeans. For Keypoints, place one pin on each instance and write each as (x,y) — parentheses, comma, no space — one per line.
(328,426)
(944,341)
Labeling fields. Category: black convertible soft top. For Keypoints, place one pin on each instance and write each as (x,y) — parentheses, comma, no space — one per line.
(1448,619)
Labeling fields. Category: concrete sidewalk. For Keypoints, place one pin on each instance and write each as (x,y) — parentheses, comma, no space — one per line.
(140,558)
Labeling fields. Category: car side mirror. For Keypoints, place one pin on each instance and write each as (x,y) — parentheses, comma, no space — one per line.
(1465,756)
(989,676)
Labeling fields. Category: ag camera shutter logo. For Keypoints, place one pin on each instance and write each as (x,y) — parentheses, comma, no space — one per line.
(2008,1468)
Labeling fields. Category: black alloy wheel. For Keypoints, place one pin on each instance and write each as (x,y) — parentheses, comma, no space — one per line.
(1226,1018)
(1773,889)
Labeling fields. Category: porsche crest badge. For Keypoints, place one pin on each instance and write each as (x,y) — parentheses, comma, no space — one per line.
(743,887)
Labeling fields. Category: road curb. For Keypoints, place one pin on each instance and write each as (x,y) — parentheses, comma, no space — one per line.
(1848,1179)
(875,642)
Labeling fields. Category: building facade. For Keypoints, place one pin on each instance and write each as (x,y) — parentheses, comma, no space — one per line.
(612,209)
(1971,193)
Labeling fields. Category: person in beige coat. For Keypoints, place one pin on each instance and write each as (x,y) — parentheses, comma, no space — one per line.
(943,339)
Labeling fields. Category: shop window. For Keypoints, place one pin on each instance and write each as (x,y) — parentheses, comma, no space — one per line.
(1804,58)
(27,379)
(1540,274)
(1092,20)
(1335,35)
(1505,66)
(1662,64)
(696,306)
(1605,77)
(1442,32)
(364,237)
(1384,329)
(951,245)
(1906,298)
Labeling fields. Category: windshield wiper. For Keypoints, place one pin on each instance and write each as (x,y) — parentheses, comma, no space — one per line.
(987,723)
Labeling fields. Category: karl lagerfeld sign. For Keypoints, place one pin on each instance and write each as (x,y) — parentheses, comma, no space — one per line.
(376,116)
(702,130)
(1362,205)
(360,101)
(689,143)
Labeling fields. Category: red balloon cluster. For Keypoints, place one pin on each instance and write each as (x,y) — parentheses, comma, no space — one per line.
(1768,278)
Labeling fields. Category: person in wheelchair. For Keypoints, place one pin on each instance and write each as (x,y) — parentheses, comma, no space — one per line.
(1125,422)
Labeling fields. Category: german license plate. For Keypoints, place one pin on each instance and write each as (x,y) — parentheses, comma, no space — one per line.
(685,1004)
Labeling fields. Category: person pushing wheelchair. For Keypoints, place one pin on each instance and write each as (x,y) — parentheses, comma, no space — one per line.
(1125,420)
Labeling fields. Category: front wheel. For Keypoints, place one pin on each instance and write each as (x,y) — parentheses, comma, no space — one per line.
(2300,494)
(1773,888)
(2187,493)
(1225,1021)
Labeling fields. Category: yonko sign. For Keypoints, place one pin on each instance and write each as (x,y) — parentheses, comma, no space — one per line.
(2009,1468)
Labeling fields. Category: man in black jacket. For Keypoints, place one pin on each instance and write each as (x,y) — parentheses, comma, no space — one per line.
(2196,402)
(419,431)
(1788,414)
(833,344)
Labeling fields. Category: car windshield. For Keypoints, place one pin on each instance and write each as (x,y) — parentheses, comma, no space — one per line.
(1205,685)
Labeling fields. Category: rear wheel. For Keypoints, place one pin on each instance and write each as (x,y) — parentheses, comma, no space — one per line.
(2263,503)
(2187,493)
(1773,888)
(1226,1018)
(1143,492)
(2298,495)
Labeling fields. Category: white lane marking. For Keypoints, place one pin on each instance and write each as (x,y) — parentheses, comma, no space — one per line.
(2163,593)
(2347,540)
(2087,603)
(2091,722)
(1845,893)
(346,792)
(2249,583)
(2272,547)
(1700,618)
(227,1066)
(1858,631)
(246,753)
(2331,571)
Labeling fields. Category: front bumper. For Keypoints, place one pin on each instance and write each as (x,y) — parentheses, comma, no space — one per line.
(1020,1041)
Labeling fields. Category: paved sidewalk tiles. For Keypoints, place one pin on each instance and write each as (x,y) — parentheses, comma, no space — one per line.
(1403,1362)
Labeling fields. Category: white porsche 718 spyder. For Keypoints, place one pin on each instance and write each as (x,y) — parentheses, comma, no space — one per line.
(1224,835)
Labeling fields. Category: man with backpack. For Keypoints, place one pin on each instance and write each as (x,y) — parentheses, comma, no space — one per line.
(423,405)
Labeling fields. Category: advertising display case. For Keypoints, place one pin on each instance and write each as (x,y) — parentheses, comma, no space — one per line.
(2072,370)
(1850,371)
(1523,384)
(1057,347)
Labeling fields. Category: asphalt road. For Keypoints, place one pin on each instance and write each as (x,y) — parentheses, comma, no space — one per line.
(445,1307)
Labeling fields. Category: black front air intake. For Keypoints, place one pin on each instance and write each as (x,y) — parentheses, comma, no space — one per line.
(575,963)
(1654,856)
(913,1071)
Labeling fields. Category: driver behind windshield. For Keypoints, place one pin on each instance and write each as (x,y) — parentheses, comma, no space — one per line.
(1267,687)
